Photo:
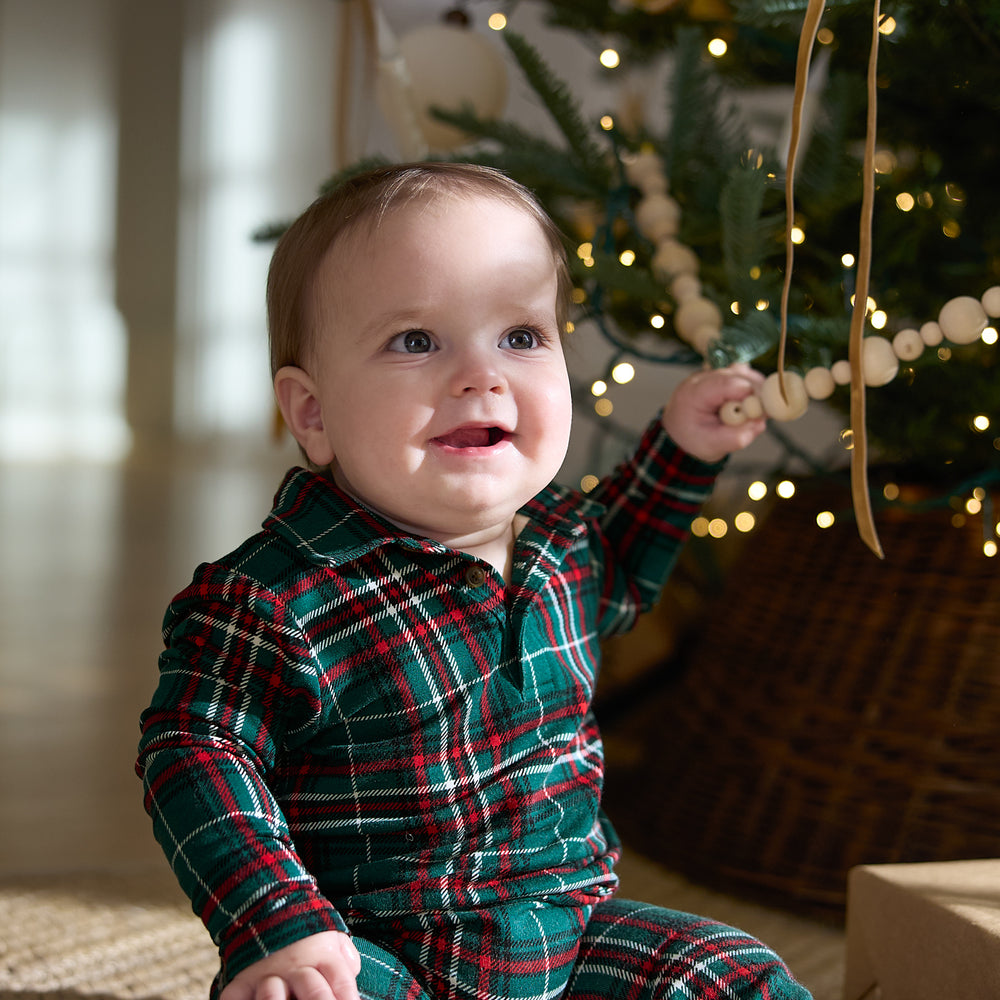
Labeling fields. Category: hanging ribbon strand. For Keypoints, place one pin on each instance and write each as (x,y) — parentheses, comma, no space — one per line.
(860,493)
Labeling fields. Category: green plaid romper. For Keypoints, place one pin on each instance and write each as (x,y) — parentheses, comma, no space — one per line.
(357,729)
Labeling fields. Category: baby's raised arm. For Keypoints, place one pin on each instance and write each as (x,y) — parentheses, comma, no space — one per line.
(320,967)
(692,418)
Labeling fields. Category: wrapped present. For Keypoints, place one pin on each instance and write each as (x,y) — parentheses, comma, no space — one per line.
(923,931)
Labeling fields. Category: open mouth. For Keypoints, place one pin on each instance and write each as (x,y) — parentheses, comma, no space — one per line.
(472,437)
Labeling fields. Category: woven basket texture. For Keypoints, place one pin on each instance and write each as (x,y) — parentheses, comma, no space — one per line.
(833,710)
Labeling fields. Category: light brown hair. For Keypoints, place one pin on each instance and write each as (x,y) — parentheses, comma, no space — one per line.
(364,200)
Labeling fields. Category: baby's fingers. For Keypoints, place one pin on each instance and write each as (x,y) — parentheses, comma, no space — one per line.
(311,984)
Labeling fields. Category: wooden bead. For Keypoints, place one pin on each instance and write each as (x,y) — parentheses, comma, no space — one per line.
(775,405)
(908,345)
(991,301)
(658,216)
(693,314)
(673,258)
(819,383)
(703,337)
(731,413)
(930,334)
(962,319)
(644,168)
(752,407)
(878,361)
(841,372)
(685,286)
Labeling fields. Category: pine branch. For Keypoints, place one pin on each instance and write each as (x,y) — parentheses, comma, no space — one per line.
(533,160)
(555,95)
(741,205)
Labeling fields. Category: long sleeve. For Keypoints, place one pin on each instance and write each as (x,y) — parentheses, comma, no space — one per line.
(234,684)
(649,504)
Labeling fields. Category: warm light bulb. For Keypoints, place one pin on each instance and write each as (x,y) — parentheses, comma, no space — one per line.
(604,407)
(657,322)
(589,483)
(797,235)
(609,59)
(745,521)
(905,201)
(497,21)
(757,490)
(627,258)
(825,519)
(717,528)
(717,47)
(989,335)
(785,489)
(599,388)
(989,548)
(847,260)
(623,372)
(699,527)
(981,422)
(607,123)
(879,319)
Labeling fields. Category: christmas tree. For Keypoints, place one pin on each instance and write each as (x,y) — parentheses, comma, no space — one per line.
(696,212)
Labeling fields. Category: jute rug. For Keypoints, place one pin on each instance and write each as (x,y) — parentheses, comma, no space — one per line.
(132,936)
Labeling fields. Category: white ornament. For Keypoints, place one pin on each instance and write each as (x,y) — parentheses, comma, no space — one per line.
(962,319)
(774,403)
(685,286)
(673,258)
(991,301)
(841,372)
(448,67)
(879,363)
(908,345)
(694,314)
(930,334)
(819,383)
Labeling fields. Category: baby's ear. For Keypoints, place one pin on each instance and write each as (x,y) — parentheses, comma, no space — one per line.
(298,400)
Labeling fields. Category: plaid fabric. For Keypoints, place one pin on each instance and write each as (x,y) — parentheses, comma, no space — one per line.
(624,951)
(353,724)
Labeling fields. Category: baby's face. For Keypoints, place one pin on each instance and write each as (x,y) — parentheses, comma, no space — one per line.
(443,387)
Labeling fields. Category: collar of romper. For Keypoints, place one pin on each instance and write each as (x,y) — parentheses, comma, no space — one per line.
(328,526)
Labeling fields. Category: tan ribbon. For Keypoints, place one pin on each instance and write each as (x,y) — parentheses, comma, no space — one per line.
(860,493)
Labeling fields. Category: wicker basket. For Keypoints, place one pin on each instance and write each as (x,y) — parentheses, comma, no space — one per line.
(834,710)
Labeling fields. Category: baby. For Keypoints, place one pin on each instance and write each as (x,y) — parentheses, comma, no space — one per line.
(371,758)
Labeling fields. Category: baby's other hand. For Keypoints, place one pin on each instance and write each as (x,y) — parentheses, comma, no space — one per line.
(692,418)
(320,967)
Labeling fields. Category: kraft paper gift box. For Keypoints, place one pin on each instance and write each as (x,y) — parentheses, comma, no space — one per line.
(917,931)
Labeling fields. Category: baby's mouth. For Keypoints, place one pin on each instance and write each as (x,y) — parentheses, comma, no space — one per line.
(472,437)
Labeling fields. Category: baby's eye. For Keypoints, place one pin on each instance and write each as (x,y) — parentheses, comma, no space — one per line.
(412,342)
(522,339)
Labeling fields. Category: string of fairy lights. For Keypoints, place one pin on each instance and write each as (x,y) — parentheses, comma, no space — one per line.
(966,503)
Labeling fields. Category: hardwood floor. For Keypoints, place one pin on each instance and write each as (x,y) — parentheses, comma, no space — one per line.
(90,556)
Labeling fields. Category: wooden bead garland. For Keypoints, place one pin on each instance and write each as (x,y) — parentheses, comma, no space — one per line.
(698,320)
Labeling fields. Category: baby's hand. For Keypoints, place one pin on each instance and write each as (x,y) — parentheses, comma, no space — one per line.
(320,967)
(692,418)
